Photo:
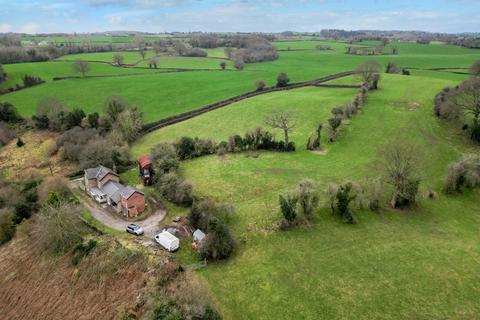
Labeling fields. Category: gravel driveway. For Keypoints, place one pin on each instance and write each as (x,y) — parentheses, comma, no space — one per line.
(115,221)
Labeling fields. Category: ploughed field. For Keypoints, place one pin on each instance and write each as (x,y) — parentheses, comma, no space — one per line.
(417,264)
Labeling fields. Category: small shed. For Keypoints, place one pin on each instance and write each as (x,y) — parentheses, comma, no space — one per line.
(199,236)
(145,168)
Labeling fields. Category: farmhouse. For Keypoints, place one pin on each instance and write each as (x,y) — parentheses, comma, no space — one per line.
(102,184)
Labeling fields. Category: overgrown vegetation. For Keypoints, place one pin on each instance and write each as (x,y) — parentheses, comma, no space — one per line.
(464,173)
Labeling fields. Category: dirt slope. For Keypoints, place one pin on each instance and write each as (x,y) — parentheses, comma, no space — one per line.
(35,287)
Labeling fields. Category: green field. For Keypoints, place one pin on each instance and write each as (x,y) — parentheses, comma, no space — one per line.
(188,91)
(420,263)
(392,265)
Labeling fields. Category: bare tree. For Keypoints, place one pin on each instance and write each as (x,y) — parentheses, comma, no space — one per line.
(369,72)
(118,59)
(475,69)
(401,168)
(81,66)
(143,52)
(281,120)
(467,99)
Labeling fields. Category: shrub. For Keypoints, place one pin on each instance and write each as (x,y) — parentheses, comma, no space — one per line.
(260,85)
(374,194)
(8,113)
(288,207)
(175,189)
(223,65)
(30,81)
(308,198)
(392,68)
(60,228)
(282,80)
(53,184)
(219,243)
(185,147)
(313,142)
(344,197)
(7,226)
(82,250)
(20,142)
(331,191)
(165,158)
(92,119)
(463,173)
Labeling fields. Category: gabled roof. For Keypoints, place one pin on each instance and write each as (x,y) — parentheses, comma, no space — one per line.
(128,191)
(145,161)
(198,235)
(98,172)
(113,190)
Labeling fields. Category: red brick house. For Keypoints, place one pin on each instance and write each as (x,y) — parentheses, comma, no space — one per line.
(102,184)
(132,202)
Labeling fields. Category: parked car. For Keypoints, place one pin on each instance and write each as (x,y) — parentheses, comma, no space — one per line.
(168,241)
(177,219)
(135,229)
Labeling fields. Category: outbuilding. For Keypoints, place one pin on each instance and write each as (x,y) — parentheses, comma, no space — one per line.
(199,236)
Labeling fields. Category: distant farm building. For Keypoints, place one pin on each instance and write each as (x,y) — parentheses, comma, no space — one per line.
(102,184)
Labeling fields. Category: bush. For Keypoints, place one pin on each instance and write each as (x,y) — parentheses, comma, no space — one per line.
(344,197)
(20,142)
(165,158)
(7,226)
(8,113)
(392,68)
(282,80)
(60,228)
(218,243)
(260,85)
(223,65)
(185,147)
(308,198)
(463,173)
(53,184)
(82,250)
(288,207)
(175,189)
(30,81)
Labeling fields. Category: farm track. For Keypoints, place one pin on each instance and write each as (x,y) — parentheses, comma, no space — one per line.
(220,104)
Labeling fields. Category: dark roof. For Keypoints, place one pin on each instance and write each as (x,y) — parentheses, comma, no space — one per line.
(128,191)
(98,172)
(113,190)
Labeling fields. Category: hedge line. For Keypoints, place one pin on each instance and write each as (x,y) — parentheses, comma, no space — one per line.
(190,114)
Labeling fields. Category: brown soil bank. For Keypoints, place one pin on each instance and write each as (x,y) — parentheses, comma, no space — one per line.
(38,287)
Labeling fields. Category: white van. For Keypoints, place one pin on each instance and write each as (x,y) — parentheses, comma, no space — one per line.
(168,241)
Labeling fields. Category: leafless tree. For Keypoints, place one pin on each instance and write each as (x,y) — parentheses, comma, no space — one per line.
(143,52)
(402,172)
(467,99)
(281,120)
(368,72)
(118,59)
(475,69)
(81,66)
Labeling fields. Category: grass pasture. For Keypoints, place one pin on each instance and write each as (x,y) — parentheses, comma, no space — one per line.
(162,95)
(393,265)
(415,264)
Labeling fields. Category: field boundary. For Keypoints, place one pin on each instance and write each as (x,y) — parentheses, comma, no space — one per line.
(223,103)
